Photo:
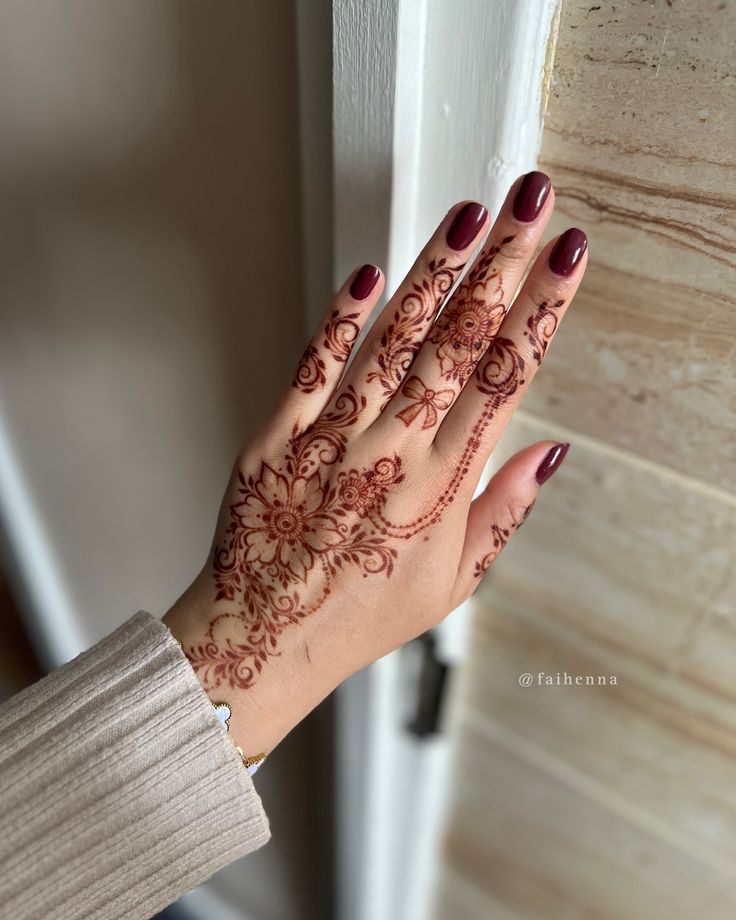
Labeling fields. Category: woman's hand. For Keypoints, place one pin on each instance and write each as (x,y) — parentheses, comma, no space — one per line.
(348,526)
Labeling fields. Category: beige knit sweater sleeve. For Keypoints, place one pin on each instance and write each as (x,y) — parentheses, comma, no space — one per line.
(119,790)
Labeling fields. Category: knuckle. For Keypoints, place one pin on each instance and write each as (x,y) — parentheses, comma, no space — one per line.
(518,510)
(547,288)
(517,250)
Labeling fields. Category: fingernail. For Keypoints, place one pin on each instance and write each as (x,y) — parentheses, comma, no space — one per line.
(568,252)
(364,282)
(531,196)
(466,226)
(551,462)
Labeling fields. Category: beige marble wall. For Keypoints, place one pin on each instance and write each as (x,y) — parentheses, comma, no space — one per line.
(620,801)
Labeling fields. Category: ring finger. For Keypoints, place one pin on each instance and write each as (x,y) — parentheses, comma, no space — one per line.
(391,344)
(465,328)
(489,400)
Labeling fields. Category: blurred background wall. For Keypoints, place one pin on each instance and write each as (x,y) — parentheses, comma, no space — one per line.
(151,309)
(620,801)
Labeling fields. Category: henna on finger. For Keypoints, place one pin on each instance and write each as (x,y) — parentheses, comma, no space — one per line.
(340,334)
(500,537)
(468,324)
(298,523)
(402,338)
(498,377)
(461,334)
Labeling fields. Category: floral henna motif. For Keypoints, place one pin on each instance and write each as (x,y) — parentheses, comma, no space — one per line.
(424,401)
(468,324)
(403,336)
(293,529)
(501,536)
(288,528)
(341,333)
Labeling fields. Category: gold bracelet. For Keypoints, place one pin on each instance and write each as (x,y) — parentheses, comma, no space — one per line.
(223,711)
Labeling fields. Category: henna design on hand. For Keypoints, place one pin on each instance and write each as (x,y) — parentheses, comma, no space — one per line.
(424,401)
(541,326)
(468,324)
(311,371)
(501,536)
(341,333)
(401,339)
(295,526)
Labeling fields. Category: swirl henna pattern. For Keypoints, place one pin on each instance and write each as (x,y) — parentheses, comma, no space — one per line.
(295,526)
(462,333)
(401,339)
(340,333)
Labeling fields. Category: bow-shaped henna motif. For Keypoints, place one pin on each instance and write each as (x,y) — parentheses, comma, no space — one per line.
(424,401)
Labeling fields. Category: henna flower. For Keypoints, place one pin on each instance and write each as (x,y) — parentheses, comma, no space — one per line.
(467,326)
(362,490)
(424,401)
(285,523)
(355,492)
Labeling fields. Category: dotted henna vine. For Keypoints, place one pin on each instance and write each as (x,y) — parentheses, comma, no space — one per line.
(292,527)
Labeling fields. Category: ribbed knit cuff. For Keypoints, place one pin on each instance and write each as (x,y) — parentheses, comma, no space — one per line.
(119,790)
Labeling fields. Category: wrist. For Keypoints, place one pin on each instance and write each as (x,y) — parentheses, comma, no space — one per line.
(262,711)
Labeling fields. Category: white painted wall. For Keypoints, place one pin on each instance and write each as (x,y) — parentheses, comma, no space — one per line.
(435,101)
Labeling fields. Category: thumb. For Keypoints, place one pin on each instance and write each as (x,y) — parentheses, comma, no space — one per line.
(502,508)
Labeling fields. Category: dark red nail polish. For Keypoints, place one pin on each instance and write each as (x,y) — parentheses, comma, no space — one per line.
(466,225)
(364,282)
(531,196)
(551,462)
(568,251)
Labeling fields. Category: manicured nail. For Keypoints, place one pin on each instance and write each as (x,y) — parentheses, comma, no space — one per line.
(551,462)
(531,196)
(364,282)
(568,252)
(466,226)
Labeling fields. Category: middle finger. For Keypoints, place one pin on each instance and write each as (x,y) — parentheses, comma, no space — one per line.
(463,331)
